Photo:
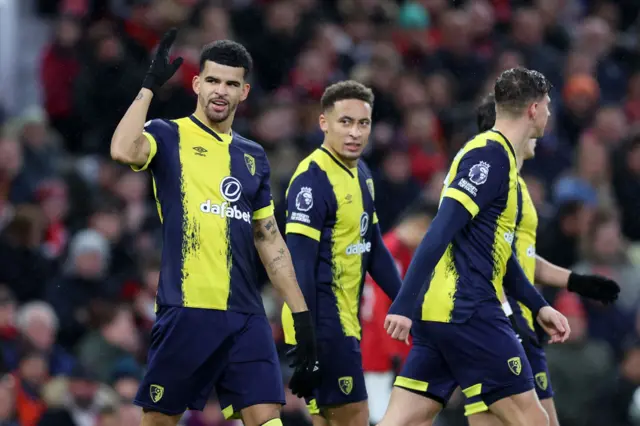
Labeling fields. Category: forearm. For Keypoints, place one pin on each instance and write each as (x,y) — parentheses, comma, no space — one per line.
(277,261)
(520,288)
(551,275)
(276,258)
(382,267)
(451,218)
(128,145)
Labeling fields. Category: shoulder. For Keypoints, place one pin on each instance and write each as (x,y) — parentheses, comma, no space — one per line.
(310,173)
(488,154)
(248,146)
(364,169)
(161,125)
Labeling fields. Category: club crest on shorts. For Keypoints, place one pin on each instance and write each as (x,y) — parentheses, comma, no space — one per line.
(251,163)
(371,190)
(542,381)
(346,384)
(156,392)
(515,365)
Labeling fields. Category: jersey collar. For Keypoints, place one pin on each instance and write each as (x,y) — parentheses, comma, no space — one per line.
(338,162)
(509,144)
(222,138)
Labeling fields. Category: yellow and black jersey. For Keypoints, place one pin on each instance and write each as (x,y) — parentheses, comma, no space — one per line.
(525,246)
(334,205)
(209,187)
(483,177)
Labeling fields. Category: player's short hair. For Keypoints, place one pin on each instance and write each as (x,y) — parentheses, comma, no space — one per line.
(486,113)
(229,53)
(516,88)
(343,90)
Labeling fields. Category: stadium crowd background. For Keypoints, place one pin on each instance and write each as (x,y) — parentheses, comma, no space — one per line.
(79,238)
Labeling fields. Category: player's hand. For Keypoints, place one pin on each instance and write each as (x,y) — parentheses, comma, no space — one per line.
(160,70)
(306,374)
(554,324)
(594,287)
(398,327)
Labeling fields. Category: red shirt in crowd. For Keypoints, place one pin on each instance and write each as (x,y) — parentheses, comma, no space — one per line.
(378,348)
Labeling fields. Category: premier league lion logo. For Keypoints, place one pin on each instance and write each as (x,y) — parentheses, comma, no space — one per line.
(479,173)
(304,199)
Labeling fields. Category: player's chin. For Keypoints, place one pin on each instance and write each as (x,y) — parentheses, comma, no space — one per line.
(351,155)
(218,117)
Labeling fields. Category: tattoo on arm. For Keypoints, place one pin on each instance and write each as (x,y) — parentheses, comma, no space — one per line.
(136,148)
(265,230)
(281,262)
(139,96)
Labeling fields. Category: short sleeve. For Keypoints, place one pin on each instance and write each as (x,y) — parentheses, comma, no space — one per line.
(156,131)
(263,202)
(307,205)
(482,175)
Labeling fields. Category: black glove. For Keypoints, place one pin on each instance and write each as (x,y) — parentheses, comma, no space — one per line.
(594,287)
(160,70)
(306,374)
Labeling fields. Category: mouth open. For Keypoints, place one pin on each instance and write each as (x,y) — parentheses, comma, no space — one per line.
(352,146)
(219,105)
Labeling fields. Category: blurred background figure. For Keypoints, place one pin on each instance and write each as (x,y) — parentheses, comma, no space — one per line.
(80,236)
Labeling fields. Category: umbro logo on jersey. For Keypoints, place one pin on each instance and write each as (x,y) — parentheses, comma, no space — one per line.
(200,151)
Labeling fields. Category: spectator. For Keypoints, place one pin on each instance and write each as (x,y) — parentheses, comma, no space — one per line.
(38,325)
(114,340)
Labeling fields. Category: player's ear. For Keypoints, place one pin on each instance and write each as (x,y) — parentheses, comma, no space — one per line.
(324,126)
(245,91)
(532,110)
(195,84)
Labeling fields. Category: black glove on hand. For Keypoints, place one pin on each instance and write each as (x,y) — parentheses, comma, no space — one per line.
(161,70)
(306,375)
(594,287)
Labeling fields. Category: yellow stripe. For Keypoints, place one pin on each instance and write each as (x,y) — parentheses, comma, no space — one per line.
(475,408)
(463,199)
(307,231)
(412,384)
(375,218)
(155,195)
(287,325)
(472,391)
(153,149)
(264,212)
(312,406)
(229,413)
(207,264)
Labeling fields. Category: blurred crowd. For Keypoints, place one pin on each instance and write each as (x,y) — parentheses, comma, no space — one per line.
(79,234)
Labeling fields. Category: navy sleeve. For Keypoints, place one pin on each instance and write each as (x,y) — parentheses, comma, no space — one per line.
(307,204)
(452,216)
(518,286)
(482,174)
(304,254)
(159,133)
(263,202)
(382,266)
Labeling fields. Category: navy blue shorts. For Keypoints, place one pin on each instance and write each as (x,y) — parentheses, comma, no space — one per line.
(194,351)
(538,361)
(482,355)
(342,379)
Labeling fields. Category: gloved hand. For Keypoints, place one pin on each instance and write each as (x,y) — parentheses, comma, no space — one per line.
(594,287)
(306,374)
(160,70)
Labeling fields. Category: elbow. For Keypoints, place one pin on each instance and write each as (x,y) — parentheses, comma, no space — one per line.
(118,153)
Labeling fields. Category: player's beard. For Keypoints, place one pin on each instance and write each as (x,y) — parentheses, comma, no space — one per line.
(217,117)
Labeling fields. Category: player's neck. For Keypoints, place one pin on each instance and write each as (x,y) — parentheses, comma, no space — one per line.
(517,135)
(223,127)
(351,164)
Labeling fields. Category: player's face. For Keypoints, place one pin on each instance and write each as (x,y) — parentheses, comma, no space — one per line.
(539,113)
(347,127)
(220,89)
(530,150)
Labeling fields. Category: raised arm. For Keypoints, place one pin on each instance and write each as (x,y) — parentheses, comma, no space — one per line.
(128,144)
